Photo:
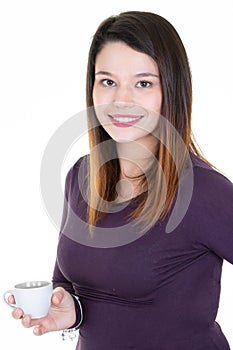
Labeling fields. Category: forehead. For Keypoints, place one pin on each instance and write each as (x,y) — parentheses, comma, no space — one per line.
(118,56)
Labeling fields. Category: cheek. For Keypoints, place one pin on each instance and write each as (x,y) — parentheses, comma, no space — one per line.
(100,111)
(100,97)
(152,102)
(94,96)
(157,103)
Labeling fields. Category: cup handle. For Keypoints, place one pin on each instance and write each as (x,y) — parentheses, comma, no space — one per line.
(8,293)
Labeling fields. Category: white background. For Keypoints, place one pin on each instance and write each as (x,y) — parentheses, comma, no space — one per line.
(44,46)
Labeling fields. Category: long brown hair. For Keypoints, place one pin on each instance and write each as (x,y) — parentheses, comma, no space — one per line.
(151,34)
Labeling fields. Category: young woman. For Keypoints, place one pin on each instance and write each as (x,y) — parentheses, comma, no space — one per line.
(147,220)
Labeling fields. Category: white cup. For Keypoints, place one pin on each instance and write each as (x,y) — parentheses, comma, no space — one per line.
(33,297)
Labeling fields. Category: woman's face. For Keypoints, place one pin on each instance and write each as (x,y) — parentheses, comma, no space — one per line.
(127,92)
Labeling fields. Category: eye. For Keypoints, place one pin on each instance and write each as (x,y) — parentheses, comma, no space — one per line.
(143,84)
(108,82)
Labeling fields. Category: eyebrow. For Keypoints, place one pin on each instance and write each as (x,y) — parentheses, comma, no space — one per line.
(147,74)
(138,75)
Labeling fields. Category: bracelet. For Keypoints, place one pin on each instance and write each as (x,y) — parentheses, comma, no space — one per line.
(70,332)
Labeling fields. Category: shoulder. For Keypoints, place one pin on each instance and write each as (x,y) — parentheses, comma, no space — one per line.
(204,197)
(209,184)
(212,197)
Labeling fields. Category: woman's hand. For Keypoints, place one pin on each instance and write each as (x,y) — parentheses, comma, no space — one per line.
(61,314)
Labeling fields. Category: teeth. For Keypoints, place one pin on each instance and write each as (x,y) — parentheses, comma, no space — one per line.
(125,119)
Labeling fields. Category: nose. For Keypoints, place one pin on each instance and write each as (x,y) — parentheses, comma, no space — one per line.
(123,94)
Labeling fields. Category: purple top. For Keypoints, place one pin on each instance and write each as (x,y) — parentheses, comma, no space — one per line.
(160,291)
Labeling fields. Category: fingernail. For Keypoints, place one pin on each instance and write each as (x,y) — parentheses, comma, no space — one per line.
(56,299)
(35,330)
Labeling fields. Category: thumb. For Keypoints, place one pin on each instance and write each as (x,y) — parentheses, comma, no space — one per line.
(58,295)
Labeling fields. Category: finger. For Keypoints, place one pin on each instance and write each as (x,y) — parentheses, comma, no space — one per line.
(62,297)
(11,299)
(42,325)
(28,322)
(39,330)
(57,299)
(17,313)
(57,296)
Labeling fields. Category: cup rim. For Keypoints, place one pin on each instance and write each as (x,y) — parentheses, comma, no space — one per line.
(32,284)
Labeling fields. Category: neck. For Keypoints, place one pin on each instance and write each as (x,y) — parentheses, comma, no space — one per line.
(135,157)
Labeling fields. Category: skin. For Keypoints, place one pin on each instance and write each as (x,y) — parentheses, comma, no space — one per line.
(61,314)
(127,83)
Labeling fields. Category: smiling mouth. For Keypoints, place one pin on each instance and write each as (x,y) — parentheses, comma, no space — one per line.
(125,118)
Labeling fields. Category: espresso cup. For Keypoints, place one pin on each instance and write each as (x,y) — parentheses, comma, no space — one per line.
(33,297)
